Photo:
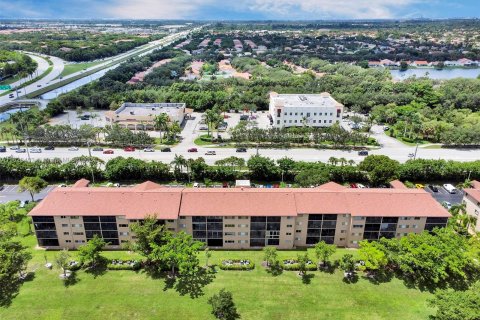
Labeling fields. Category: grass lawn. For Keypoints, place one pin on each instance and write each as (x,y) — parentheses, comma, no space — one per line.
(75,67)
(257,294)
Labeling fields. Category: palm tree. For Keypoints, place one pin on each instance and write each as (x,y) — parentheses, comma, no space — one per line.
(178,163)
(174,129)
(333,161)
(342,161)
(161,123)
(211,118)
(351,162)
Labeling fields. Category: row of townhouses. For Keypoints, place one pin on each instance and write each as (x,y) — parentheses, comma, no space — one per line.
(236,218)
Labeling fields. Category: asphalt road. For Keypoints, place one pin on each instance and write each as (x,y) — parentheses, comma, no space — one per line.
(10,193)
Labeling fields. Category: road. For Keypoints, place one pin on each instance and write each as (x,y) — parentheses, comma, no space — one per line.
(10,193)
(58,65)
(42,66)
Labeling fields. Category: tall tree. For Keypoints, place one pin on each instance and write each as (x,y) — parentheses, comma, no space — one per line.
(61,260)
(161,123)
(372,254)
(457,305)
(302,260)
(223,306)
(270,255)
(32,185)
(90,253)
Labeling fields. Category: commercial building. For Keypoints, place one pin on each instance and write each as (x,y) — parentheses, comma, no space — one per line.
(296,110)
(471,199)
(236,218)
(141,116)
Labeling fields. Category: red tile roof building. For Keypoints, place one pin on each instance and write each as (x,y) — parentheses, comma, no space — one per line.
(237,217)
(471,199)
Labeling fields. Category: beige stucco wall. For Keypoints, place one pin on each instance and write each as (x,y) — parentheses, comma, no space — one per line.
(473,209)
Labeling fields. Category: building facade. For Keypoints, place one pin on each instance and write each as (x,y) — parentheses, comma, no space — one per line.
(297,110)
(237,218)
(141,116)
(471,199)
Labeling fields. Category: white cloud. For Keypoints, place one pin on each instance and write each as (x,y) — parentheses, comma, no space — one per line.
(311,9)
(155,9)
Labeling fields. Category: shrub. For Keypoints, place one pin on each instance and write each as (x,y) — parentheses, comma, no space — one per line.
(294,266)
(238,264)
(74,266)
(124,265)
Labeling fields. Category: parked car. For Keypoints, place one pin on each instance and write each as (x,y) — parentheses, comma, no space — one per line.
(97,149)
(353,185)
(419,186)
(210,153)
(360,186)
(108,152)
(14,147)
(166,150)
(35,150)
(11,95)
(203,128)
(73,149)
(447,205)
(3,149)
(241,149)
(148,150)
(129,149)
(363,153)
(386,128)
(192,150)
(244,117)
(450,189)
(21,150)
(433,188)
(49,148)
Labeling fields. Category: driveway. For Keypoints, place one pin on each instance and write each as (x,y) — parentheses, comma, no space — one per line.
(10,193)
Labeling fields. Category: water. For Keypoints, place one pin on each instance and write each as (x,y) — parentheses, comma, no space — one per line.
(444,74)
(76,84)
(4,116)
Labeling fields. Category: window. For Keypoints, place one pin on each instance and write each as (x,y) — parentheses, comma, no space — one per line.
(242,225)
(79,241)
(170,221)
(278,121)
(123,233)
(314,121)
(314,113)
(182,218)
(289,226)
(403,226)
(78,233)
(183,225)
(298,238)
(243,233)
(229,233)
(229,226)
(289,218)
(331,113)
(288,241)
(78,225)
(329,121)
(63,217)
(415,226)
(242,241)
(344,223)
(285,113)
(342,239)
(358,218)
(64,225)
(123,225)
(354,242)
(295,121)
(240,218)
(229,241)
(74,217)
(68,241)
(171,229)
(289,121)
(296,113)
(66,233)
(416,218)
(298,231)
(404,218)
(299,223)
(343,231)
(324,121)
(358,225)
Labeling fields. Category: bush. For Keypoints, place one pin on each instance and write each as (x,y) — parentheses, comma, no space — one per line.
(294,266)
(74,265)
(238,264)
(124,265)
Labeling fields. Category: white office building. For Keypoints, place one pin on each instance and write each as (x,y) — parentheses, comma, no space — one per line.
(296,110)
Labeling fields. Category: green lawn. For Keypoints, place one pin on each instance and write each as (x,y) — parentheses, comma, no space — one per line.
(258,295)
(75,67)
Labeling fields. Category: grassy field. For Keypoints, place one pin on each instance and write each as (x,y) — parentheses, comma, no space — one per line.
(75,67)
(258,295)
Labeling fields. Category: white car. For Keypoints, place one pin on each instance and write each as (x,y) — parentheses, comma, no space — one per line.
(73,149)
(361,186)
(148,150)
(447,205)
(35,150)
(450,189)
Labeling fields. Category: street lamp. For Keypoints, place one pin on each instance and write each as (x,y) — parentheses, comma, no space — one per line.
(90,157)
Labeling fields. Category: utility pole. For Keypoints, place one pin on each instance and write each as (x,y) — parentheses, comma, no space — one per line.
(90,157)
(415,155)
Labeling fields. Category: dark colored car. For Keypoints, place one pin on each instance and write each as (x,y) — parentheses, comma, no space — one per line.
(97,149)
(241,149)
(3,149)
(363,153)
(129,149)
(108,152)
(192,150)
(433,188)
(49,148)
(166,150)
(244,117)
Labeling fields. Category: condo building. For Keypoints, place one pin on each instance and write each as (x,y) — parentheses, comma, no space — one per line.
(297,110)
(471,199)
(236,218)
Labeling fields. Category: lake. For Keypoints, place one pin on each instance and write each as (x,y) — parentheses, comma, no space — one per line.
(4,116)
(444,74)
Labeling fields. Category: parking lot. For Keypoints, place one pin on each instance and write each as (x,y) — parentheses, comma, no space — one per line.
(443,195)
(10,193)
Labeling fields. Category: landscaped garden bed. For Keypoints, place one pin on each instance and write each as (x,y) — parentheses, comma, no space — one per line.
(293,265)
(237,264)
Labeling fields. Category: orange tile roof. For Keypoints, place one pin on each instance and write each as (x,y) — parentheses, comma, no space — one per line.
(397,184)
(474,192)
(151,198)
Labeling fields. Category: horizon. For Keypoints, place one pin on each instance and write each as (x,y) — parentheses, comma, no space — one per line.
(242,10)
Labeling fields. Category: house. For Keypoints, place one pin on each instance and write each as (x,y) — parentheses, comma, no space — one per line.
(236,218)
(374,64)
(420,63)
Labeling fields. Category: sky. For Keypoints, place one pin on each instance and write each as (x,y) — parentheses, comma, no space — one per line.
(240,9)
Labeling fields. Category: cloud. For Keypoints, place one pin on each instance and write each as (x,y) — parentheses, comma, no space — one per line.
(156,9)
(311,9)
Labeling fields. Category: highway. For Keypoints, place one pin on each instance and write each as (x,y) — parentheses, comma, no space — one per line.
(58,64)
